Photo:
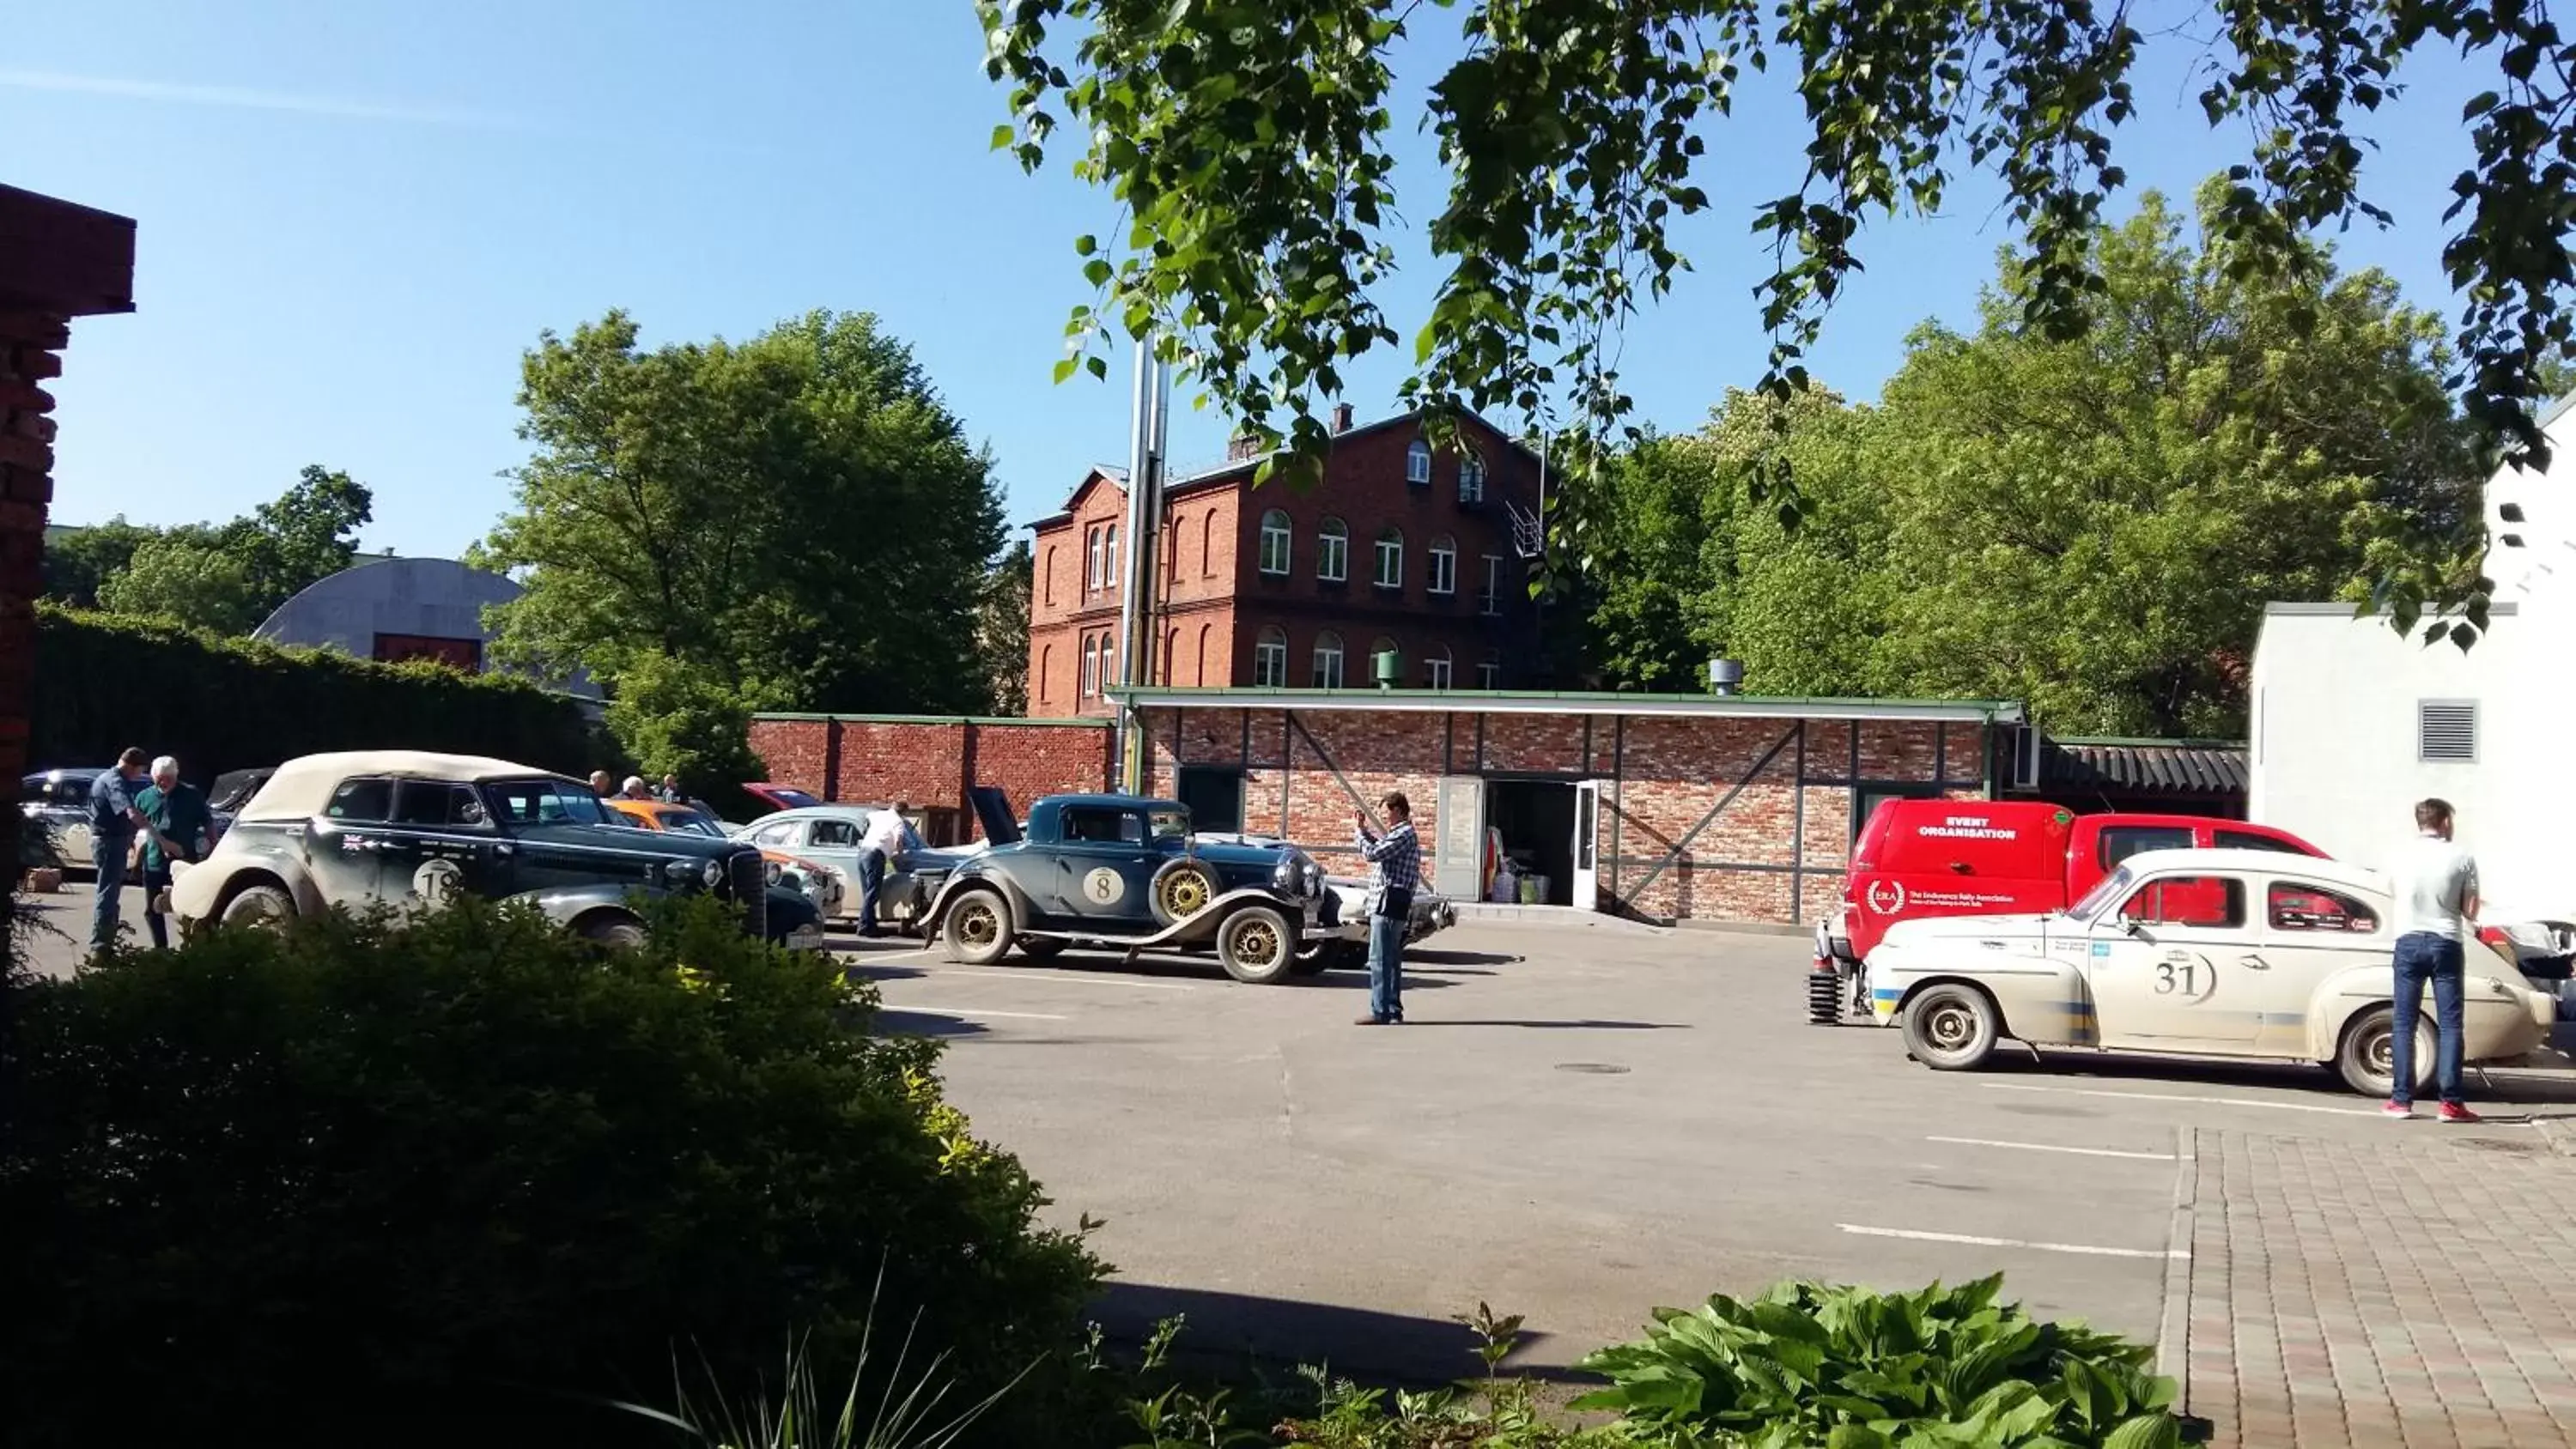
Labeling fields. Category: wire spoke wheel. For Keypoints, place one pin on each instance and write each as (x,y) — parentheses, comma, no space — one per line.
(1256,944)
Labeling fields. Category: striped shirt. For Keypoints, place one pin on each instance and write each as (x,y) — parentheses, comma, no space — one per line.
(1395,862)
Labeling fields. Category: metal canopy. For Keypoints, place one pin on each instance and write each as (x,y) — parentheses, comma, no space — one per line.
(1482,701)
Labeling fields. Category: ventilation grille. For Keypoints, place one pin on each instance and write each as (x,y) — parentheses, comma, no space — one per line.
(2446,731)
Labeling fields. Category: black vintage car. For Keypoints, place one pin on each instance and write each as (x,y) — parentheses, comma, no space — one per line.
(406,828)
(1124,872)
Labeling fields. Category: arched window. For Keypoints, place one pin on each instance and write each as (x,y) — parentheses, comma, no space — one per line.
(1172,551)
(1109,557)
(1274,542)
(1046,668)
(1435,668)
(1198,674)
(1383,645)
(1333,551)
(1171,660)
(1089,684)
(1417,464)
(1090,559)
(1108,662)
(1471,479)
(1444,565)
(1207,544)
(1489,674)
(1046,579)
(1270,659)
(1390,557)
(1328,660)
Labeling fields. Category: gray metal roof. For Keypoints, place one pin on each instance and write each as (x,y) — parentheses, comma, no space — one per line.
(1510,701)
(2162,767)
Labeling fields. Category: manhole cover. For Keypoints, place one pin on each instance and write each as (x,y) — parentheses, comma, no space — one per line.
(1604,1069)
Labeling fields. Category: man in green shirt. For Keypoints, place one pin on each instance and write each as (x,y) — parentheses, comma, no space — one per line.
(182,828)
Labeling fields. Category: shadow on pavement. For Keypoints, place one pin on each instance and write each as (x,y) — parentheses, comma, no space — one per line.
(2500,1084)
(867,971)
(1433,955)
(1578,1024)
(1358,980)
(895,1021)
(1226,1330)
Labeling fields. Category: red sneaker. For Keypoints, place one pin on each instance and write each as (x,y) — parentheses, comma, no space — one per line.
(2397,1109)
(2454,1112)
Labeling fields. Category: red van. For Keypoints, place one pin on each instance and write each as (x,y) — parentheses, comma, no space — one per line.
(1918,858)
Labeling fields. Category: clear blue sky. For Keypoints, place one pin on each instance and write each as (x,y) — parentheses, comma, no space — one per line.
(355,217)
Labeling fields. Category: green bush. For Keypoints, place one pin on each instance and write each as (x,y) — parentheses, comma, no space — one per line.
(367,1181)
(104,682)
(1847,1368)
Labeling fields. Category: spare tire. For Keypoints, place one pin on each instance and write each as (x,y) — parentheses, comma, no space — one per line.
(1182,888)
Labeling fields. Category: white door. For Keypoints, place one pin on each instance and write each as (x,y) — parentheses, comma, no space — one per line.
(2178,966)
(1458,853)
(1587,846)
(2309,934)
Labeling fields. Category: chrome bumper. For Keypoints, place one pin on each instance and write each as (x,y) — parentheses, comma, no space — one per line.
(805,938)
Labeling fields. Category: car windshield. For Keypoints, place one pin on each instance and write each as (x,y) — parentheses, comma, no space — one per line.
(1171,824)
(2112,887)
(545,802)
(691,822)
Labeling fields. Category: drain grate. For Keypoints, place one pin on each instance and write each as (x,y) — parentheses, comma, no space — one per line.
(1602,1069)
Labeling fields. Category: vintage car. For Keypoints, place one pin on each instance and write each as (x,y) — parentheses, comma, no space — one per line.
(832,834)
(406,828)
(1340,941)
(820,883)
(2215,953)
(55,805)
(1124,872)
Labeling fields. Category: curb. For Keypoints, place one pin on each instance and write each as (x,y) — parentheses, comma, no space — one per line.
(2173,1358)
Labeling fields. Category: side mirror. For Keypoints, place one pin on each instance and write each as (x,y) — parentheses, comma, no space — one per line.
(2132,928)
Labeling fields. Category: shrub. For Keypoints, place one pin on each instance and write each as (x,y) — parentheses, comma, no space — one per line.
(1848,1368)
(333,1183)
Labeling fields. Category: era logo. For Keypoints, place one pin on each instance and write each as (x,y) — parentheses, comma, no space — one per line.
(1886,897)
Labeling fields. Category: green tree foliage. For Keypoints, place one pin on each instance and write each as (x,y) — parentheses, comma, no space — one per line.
(2092,525)
(1247,147)
(78,561)
(308,534)
(796,519)
(1002,630)
(185,574)
(221,576)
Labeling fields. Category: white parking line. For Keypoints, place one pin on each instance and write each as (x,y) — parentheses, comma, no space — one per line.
(2052,1147)
(969,1013)
(2180,1097)
(1974,1241)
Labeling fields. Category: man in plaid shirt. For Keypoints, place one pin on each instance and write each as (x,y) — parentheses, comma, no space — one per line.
(1395,873)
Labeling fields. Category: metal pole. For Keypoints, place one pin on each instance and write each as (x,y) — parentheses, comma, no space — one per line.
(1144,526)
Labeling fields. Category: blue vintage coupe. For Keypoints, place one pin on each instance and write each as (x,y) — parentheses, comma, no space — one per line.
(1124,872)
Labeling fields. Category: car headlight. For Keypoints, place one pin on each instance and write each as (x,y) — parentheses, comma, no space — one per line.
(1314,879)
(713,874)
(680,870)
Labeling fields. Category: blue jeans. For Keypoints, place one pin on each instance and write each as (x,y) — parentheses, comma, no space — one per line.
(107,855)
(2422,957)
(872,866)
(1386,967)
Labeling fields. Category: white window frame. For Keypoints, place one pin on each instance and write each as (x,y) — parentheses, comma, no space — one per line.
(1270,659)
(1489,674)
(1108,663)
(1333,551)
(1444,566)
(1109,557)
(1435,670)
(1328,660)
(1471,479)
(1417,464)
(1390,547)
(1285,534)
(1492,599)
(1089,684)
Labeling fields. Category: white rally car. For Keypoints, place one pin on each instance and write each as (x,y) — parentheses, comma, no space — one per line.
(2220,953)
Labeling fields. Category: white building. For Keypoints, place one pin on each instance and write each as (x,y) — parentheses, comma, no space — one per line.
(397,609)
(2354,722)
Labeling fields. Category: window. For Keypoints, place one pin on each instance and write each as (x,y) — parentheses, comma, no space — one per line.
(1444,565)
(1435,670)
(1108,663)
(1109,556)
(439,805)
(1103,825)
(1384,645)
(1090,559)
(1390,559)
(692,822)
(2119,842)
(1328,660)
(2295,907)
(1198,670)
(1417,464)
(2207,902)
(545,802)
(361,800)
(1489,675)
(1270,659)
(1333,551)
(1207,541)
(1274,542)
(1471,479)
(837,834)
(2446,731)
(2248,840)
(1090,683)
(777,836)
(1046,668)
(1046,578)
(1491,600)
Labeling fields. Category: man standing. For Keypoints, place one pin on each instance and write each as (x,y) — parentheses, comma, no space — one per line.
(113,824)
(1395,873)
(181,828)
(884,840)
(601,784)
(2436,897)
(670,794)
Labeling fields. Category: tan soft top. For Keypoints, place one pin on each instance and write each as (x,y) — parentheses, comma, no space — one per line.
(302,787)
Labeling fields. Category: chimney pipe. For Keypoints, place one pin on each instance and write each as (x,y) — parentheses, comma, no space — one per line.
(1341,417)
(1725,676)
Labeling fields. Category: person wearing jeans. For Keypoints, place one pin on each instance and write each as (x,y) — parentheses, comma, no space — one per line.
(1395,873)
(113,824)
(2436,897)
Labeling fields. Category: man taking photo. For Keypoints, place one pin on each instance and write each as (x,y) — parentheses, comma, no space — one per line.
(1395,873)
(2436,898)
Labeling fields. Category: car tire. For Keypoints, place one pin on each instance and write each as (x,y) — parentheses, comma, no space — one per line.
(1951,1027)
(2366,1058)
(1042,948)
(1256,945)
(1182,889)
(257,907)
(1317,957)
(977,927)
(614,930)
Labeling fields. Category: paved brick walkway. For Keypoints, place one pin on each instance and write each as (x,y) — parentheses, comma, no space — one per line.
(2415,1293)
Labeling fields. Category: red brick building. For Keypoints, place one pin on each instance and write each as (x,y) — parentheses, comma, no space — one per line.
(1401,547)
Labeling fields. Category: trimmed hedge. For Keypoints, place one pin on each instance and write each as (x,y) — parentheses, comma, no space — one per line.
(104,682)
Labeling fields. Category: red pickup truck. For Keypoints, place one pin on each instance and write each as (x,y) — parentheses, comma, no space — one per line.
(1918,858)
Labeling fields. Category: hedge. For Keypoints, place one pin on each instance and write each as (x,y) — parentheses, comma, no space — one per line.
(104,682)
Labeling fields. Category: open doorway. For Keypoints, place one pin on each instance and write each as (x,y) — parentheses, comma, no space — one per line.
(1536,821)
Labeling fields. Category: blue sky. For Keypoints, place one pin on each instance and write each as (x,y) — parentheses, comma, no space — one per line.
(355,217)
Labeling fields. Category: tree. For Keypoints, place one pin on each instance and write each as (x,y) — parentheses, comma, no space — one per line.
(187,574)
(79,560)
(1002,631)
(226,577)
(1247,146)
(307,535)
(797,517)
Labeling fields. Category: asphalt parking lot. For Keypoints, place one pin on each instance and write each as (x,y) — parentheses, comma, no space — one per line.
(1576,1124)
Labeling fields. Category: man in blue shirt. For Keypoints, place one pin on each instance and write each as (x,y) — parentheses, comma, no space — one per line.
(114,821)
(1395,873)
(182,828)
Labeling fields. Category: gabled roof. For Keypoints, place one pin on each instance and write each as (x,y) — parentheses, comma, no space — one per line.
(2164,767)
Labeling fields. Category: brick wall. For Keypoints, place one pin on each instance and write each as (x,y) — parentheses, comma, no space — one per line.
(930,761)
(30,353)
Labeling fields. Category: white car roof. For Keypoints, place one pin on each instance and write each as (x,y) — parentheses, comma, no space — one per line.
(302,787)
(2340,874)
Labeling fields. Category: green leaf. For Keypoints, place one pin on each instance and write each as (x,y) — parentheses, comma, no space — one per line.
(2149,1431)
(1065,367)
(1097,272)
(1085,244)
(1003,136)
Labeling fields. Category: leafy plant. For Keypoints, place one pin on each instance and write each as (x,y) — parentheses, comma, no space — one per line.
(1849,1368)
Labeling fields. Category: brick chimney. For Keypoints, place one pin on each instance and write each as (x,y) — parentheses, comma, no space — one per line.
(1242,446)
(1341,417)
